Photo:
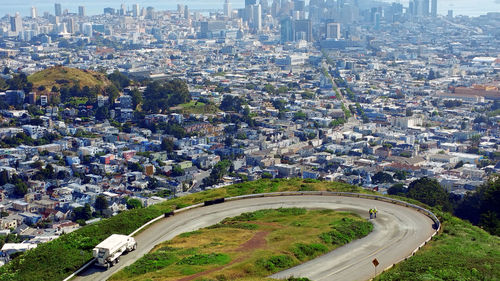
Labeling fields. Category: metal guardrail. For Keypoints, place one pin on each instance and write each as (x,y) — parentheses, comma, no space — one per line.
(436,225)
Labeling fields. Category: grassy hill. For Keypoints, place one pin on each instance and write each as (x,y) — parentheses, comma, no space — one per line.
(251,245)
(459,248)
(61,76)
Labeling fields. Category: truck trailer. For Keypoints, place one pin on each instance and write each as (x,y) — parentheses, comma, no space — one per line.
(108,252)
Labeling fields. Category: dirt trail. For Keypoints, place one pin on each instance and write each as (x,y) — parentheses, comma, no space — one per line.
(256,242)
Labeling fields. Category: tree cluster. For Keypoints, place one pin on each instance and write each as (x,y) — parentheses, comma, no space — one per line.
(231,103)
(220,170)
(160,96)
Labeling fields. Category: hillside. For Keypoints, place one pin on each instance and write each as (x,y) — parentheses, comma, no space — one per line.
(61,76)
(461,248)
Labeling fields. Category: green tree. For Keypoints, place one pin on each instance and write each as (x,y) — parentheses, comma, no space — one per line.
(481,206)
(119,79)
(101,203)
(220,169)
(20,188)
(267,175)
(397,189)
(400,175)
(159,97)
(102,113)
(152,183)
(82,213)
(134,203)
(177,171)
(299,115)
(430,192)
(112,93)
(231,103)
(136,98)
(167,145)
(4,177)
(382,177)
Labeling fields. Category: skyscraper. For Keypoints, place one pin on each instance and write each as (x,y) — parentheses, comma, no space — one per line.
(57,9)
(16,24)
(425,8)
(186,12)
(135,10)
(303,30)
(227,8)
(286,31)
(333,30)
(257,17)
(33,12)
(250,2)
(81,11)
(434,8)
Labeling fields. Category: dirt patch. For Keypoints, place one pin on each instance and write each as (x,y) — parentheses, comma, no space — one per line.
(256,242)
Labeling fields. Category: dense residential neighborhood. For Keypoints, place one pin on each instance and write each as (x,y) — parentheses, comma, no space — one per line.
(104,113)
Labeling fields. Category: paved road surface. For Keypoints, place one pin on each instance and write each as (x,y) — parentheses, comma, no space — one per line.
(397,232)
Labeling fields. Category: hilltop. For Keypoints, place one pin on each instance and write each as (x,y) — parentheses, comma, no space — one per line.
(61,76)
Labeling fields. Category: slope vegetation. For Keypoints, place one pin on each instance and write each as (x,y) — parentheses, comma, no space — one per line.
(441,257)
(61,76)
(251,245)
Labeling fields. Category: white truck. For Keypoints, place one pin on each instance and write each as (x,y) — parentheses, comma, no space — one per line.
(108,252)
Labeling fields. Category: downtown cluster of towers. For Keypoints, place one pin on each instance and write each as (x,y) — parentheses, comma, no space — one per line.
(297,20)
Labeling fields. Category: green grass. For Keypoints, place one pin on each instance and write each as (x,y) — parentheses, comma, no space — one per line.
(226,251)
(204,259)
(59,258)
(60,76)
(460,252)
(196,107)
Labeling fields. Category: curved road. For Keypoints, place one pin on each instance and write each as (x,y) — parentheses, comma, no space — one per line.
(397,232)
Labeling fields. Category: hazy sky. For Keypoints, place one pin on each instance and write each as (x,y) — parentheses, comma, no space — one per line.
(464,7)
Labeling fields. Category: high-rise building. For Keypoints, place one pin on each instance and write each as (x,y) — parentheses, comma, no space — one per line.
(109,11)
(275,9)
(425,8)
(186,12)
(70,25)
(248,16)
(57,9)
(303,30)
(299,5)
(286,31)
(333,30)
(81,11)
(434,8)
(250,2)
(135,10)
(257,17)
(150,13)
(123,10)
(16,24)
(87,29)
(227,8)
(34,13)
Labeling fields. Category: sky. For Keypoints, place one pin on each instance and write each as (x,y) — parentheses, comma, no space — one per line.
(459,7)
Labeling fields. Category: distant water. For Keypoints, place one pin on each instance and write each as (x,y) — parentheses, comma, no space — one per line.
(459,7)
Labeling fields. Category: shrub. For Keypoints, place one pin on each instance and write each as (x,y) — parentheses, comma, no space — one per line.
(276,262)
(150,263)
(304,251)
(204,259)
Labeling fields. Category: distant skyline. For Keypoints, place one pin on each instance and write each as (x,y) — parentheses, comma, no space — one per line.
(93,7)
